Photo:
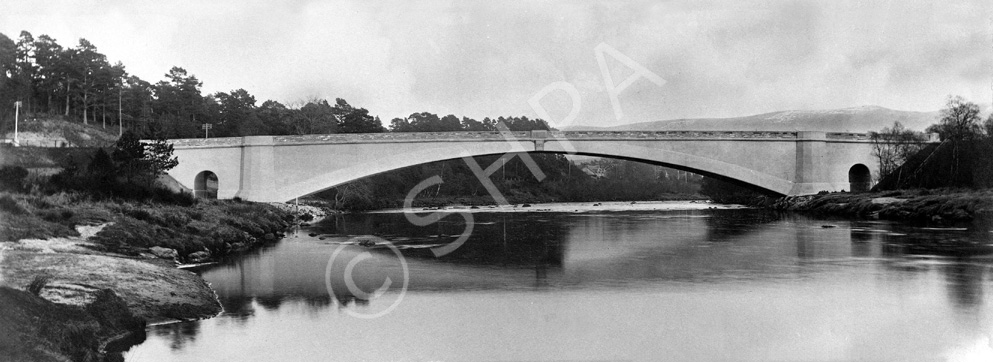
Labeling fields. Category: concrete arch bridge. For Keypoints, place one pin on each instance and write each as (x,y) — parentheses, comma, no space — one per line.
(281,168)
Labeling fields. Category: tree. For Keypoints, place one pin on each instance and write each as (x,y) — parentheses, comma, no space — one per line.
(275,117)
(892,146)
(129,156)
(8,71)
(988,126)
(159,158)
(399,125)
(49,76)
(178,105)
(355,120)
(316,117)
(959,121)
(101,168)
(237,114)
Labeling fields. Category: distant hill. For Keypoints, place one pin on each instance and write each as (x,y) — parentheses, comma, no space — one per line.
(856,119)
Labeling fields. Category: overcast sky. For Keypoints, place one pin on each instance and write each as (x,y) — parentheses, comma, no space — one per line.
(478,59)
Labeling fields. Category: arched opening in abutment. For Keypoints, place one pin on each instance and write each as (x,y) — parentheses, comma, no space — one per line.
(859,178)
(205,185)
(400,176)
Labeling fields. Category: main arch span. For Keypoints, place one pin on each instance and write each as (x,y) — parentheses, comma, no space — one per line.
(280,168)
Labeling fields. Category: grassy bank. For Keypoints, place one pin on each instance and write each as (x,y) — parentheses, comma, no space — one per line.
(941,205)
(197,233)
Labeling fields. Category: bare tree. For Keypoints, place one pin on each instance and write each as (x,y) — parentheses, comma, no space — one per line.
(892,146)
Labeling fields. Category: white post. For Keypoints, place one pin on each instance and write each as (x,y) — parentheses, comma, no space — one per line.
(17,113)
(120,109)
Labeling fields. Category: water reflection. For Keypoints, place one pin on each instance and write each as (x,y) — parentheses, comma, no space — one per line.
(660,268)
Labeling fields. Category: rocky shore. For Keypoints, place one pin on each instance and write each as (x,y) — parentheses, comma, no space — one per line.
(117,258)
(940,206)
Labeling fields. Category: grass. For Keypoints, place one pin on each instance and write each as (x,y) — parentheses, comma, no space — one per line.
(215,226)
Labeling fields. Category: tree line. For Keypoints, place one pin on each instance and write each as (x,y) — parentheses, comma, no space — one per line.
(81,84)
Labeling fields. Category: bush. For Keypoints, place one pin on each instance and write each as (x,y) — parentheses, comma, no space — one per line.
(13,206)
(12,178)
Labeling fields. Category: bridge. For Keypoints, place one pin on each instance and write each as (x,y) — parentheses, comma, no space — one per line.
(281,168)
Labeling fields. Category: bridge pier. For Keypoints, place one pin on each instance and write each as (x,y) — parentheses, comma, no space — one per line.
(811,152)
(258,176)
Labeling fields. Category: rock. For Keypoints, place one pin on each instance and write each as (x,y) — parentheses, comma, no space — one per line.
(238,246)
(367,243)
(164,253)
(198,257)
(269,237)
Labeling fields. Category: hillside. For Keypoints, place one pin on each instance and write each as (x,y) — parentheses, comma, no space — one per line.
(855,119)
(57,132)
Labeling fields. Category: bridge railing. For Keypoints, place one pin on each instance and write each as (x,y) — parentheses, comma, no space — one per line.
(521,135)
(672,134)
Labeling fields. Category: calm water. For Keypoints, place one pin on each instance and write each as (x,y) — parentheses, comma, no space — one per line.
(690,285)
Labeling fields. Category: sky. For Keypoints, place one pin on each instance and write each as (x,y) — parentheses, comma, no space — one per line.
(660,59)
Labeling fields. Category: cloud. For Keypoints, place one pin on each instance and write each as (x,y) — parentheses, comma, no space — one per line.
(476,58)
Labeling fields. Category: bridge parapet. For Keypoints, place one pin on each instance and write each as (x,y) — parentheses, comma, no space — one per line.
(206,142)
(520,135)
(673,134)
(397,136)
(848,136)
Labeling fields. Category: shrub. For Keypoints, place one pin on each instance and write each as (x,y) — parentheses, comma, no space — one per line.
(12,177)
(13,206)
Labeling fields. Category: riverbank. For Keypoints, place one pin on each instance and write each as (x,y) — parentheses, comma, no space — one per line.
(942,205)
(85,248)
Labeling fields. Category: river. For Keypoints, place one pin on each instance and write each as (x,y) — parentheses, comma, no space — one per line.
(683,282)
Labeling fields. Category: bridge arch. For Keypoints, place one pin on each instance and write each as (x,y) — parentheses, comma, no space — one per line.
(205,185)
(377,164)
(859,178)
